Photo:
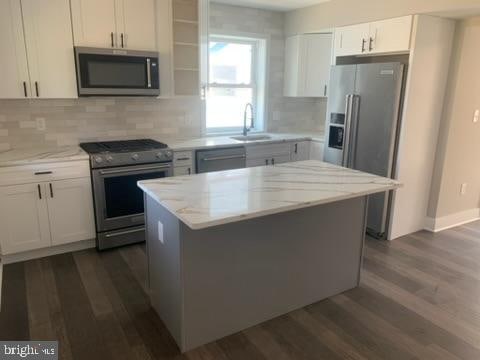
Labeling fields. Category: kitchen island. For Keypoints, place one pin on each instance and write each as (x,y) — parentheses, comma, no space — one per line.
(232,249)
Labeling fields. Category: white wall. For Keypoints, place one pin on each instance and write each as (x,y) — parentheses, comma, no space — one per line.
(346,12)
(458,154)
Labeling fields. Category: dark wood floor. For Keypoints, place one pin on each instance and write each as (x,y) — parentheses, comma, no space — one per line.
(419,299)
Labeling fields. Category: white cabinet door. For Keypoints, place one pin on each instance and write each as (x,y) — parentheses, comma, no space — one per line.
(136,24)
(182,170)
(307,65)
(291,85)
(317,59)
(391,36)
(70,209)
(23,218)
(316,150)
(48,38)
(352,40)
(94,23)
(14,82)
(301,151)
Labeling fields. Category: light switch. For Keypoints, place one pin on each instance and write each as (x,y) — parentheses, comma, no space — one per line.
(476,116)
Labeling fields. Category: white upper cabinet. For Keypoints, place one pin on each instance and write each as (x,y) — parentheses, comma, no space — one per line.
(390,36)
(48,38)
(13,57)
(136,24)
(380,37)
(351,40)
(94,23)
(307,65)
(128,24)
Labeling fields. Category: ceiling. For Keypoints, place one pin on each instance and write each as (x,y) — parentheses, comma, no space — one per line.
(280,5)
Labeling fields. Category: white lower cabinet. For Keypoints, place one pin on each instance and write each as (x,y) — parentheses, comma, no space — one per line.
(70,206)
(301,151)
(182,170)
(23,218)
(271,154)
(54,210)
(316,150)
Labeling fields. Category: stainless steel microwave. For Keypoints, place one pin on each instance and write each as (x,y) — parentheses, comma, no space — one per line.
(116,72)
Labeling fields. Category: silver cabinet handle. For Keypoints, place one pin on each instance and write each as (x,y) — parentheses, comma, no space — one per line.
(364,42)
(25,89)
(51,190)
(149,74)
(370,45)
(224,158)
(183,159)
(39,192)
(111,172)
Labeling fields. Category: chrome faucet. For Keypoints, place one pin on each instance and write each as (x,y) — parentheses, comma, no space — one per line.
(252,124)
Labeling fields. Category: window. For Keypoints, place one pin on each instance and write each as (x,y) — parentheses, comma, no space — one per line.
(236,77)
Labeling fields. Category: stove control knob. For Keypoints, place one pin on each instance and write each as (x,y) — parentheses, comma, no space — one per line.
(109,159)
(98,159)
(160,155)
(135,157)
(169,154)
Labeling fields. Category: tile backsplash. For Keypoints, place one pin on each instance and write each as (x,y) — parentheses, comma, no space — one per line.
(68,122)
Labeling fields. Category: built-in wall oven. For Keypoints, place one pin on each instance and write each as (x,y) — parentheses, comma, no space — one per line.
(119,208)
(116,72)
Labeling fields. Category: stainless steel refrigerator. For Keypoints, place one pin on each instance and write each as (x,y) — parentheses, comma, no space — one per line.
(362,126)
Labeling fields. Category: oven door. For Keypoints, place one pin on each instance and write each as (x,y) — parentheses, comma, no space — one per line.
(118,199)
(116,72)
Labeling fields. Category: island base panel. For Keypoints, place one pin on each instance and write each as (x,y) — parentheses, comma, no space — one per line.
(207,284)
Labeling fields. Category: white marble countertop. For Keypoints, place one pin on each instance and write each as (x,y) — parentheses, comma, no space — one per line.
(225,141)
(36,155)
(206,200)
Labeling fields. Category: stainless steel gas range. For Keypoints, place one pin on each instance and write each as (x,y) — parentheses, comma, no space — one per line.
(116,167)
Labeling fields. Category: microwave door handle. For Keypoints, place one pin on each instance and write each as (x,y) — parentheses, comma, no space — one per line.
(149,74)
(346,134)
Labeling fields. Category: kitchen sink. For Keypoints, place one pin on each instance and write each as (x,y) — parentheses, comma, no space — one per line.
(251,137)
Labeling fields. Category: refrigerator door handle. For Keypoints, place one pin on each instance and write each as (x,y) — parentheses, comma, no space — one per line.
(346,135)
(355,111)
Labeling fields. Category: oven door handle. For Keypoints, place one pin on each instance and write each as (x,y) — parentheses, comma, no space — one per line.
(123,171)
(127,232)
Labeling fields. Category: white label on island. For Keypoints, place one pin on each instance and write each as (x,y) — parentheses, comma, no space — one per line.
(160,233)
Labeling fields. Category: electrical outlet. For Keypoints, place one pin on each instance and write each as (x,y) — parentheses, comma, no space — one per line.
(463,189)
(41,125)
(476,116)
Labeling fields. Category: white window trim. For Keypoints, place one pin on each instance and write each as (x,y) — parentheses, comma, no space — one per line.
(259,78)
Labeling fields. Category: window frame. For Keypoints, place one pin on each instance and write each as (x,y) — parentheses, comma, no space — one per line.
(256,43)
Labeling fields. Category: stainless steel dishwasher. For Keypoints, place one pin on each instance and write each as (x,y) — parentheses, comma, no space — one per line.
(220,159)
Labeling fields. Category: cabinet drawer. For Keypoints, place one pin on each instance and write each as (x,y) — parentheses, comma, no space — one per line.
(182,158)
(261,151)
(25,174)
(182,170)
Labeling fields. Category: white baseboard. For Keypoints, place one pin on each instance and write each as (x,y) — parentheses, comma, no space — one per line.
(453,220)
(54,250)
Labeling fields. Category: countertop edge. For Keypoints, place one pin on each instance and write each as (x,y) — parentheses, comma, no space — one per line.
(257,214)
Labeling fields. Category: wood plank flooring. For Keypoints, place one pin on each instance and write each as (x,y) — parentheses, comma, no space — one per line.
(419,299)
